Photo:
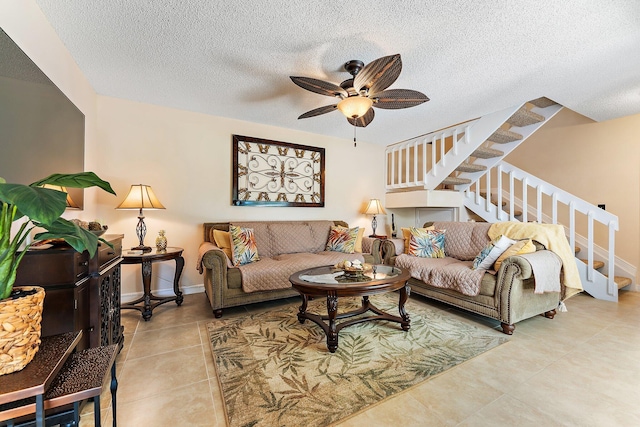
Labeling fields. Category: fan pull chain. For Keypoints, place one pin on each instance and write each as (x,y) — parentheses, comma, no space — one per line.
(354,135)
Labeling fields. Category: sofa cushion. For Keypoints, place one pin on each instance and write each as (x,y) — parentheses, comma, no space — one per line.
(261,234)
(490,253)
(291,237)
(222,240)
(358,247)
(243,245)
(273,273)
(342,239)
(406,236)
(520,247)
(464,240)
(426,243)
(320,232)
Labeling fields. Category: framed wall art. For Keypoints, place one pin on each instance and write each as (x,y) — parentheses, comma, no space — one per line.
(273,173)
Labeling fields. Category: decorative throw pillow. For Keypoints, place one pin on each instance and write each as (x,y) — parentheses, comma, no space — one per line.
(243,248)
(406,236)
(490,253)
(520,247)
(223,241)
(342,239)
(358,246)
(426,243)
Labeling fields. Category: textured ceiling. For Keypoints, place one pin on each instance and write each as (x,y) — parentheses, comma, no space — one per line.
(234,58)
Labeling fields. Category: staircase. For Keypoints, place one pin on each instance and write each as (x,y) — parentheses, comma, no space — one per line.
(463,165)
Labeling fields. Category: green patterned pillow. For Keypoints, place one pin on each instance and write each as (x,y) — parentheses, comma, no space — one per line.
(243,245)
(342,239)
(426,243)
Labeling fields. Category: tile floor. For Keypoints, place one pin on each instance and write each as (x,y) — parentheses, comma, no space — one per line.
(580,369)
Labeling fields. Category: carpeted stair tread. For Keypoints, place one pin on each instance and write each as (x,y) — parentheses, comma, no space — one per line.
(577,249)
(452,180)
(543,102)
(622,281)
(596,264)
(524,117)
(486,153)
(502,136)
(471,167)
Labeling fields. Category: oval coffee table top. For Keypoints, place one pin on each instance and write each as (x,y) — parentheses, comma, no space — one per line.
(328,278)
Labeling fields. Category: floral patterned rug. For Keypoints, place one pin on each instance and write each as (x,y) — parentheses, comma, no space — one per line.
(275,371)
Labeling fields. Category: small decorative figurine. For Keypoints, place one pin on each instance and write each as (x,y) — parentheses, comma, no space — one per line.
(161,241)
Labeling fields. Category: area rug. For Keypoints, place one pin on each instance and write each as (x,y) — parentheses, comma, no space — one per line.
(274,371)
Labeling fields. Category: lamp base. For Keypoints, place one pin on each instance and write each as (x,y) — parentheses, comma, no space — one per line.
(142,248)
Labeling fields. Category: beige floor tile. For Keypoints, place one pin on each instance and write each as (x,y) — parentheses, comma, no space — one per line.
(147,376)
(580,369)
(507,411)
(155,341)
(401,409)
(454,395)
(188,405)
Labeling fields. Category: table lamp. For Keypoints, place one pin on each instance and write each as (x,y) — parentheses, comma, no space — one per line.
(141,197)
(70,203)
(374,208)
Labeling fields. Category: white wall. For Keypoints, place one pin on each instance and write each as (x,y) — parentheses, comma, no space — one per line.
(186,158)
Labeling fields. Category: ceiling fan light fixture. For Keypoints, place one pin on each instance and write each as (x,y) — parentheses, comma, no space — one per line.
(355,106)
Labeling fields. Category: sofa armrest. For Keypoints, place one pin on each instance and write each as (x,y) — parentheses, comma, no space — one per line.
(372,247)
(388,250)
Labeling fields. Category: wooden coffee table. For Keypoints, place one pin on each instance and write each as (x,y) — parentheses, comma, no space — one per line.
(381,279)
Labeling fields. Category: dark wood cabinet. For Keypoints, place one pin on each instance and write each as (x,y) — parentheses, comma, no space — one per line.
(80,293)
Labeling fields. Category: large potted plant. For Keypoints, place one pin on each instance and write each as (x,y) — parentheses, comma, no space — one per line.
(36,207)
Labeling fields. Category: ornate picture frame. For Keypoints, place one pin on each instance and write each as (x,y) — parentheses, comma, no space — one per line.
(273,173)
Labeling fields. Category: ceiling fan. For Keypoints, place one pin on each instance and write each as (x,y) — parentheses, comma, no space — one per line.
(364,90)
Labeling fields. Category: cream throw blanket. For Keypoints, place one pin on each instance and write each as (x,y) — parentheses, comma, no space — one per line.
(553,238)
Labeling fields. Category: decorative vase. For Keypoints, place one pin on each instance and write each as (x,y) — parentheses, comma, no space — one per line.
(20,320)
(161,241)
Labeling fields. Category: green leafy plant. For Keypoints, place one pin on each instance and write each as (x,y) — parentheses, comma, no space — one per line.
(42,207)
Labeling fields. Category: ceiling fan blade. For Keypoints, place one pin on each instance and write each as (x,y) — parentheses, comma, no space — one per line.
(319,86)
(394,99)
(379,74)
(362,121)
(319,111)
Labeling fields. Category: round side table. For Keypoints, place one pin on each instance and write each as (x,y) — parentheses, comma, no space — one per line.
(147,302)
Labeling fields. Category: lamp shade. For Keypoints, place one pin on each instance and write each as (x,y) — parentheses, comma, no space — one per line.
(375,208)
(355,106)
(70,202)
(140,197)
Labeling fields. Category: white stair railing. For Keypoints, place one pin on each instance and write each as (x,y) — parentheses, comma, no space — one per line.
(408,163)
(522,190)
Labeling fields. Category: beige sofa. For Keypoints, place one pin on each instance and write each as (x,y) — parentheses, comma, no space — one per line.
(284,247)
(506,295)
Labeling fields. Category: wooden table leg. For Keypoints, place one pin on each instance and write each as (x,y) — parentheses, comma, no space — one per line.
(332,311)
(303,308)
(146,286)
(176,279)
(404,295)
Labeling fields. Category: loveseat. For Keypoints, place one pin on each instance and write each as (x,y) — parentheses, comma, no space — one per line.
(283,248)
(506,295)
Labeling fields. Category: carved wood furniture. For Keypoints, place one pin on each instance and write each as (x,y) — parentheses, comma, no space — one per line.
(380,280)
(81,294)
(147,259)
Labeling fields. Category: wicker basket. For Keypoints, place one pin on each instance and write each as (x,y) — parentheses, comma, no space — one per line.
(20,329)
